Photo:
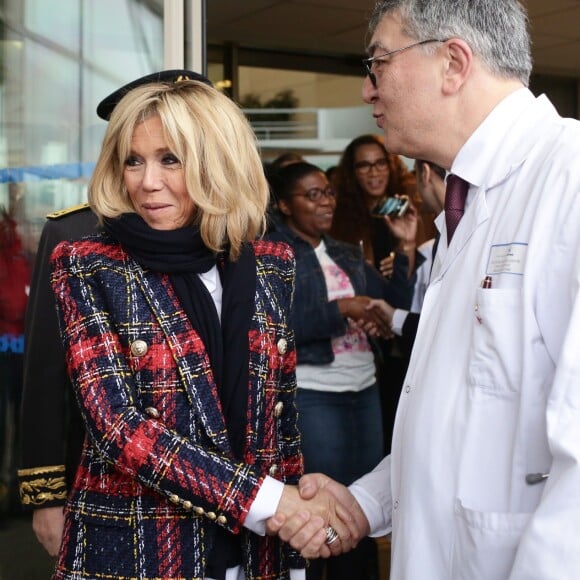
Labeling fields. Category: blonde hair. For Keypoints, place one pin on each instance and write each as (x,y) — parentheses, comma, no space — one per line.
(218,151)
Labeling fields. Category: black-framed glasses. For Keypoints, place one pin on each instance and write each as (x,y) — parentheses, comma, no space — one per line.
(316,194)
(369,62)
(381,164)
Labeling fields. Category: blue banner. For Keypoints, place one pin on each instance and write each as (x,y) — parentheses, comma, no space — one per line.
(44,172)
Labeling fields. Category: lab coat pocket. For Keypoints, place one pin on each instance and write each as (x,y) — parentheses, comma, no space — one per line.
(485,543)
(496,346)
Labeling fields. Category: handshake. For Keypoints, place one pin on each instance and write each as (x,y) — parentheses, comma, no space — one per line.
(374,316)
(319,518)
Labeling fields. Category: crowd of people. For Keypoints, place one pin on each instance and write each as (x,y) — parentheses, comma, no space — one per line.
(338,399)
(248,370)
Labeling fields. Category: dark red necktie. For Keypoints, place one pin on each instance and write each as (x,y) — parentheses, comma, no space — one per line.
(455,195)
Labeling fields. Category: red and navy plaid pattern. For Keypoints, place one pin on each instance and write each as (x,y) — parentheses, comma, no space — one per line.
(146,484)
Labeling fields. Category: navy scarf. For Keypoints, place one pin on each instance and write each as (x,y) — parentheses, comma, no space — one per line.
(182,255)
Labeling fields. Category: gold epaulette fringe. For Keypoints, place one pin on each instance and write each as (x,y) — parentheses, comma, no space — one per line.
(66,211)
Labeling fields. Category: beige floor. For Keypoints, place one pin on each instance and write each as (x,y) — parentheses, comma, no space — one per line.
(384,545)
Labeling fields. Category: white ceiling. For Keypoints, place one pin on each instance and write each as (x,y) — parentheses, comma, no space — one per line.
(339,27)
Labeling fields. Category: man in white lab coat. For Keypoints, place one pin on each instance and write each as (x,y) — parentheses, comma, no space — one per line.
(483,482)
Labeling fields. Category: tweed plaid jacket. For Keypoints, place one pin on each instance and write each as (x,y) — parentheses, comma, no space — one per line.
(157,475)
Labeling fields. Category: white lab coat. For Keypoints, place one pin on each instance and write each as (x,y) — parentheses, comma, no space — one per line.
(493,388)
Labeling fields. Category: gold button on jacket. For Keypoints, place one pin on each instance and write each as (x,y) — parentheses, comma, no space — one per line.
(282,346)
(139,347)
(152,412)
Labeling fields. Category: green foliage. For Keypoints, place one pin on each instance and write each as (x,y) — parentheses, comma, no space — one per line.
(281,100)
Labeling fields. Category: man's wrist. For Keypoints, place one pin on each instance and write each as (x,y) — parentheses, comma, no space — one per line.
(398,320)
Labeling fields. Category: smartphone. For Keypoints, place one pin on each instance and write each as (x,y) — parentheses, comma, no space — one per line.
(393,207)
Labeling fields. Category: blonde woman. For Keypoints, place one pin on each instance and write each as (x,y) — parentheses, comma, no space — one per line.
(175,324)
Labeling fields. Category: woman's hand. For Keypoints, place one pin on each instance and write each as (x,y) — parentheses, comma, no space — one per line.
(355,308)
(404,228)
(387,265)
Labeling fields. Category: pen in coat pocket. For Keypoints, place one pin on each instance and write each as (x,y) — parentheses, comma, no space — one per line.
(533,478)
(485,284)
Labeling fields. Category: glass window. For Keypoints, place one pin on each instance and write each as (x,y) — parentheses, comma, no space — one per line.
(59,60)
(315,114)
(57,23)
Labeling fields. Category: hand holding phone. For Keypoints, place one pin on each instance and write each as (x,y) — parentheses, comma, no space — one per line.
(393,207)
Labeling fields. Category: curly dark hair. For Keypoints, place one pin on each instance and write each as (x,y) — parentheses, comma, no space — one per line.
(352,219)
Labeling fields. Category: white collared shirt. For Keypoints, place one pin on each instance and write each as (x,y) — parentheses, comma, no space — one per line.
(268,497)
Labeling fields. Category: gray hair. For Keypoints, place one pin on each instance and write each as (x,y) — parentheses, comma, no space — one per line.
(496,30)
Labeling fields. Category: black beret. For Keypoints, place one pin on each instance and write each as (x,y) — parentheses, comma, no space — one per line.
(106,106)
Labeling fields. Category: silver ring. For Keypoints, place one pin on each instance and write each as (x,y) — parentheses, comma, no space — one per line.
(331,535)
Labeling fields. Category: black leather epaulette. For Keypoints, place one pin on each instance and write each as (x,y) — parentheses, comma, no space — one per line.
(67,211)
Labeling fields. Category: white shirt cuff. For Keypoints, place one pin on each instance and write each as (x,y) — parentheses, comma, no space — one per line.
(264,506)
(373,511)
(399,317)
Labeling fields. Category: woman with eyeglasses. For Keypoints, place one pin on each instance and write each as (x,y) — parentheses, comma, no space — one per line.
(368,175)
(338,404)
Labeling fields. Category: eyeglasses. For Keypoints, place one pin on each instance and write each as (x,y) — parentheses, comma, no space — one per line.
(366,166)
(316,194)
(374,61)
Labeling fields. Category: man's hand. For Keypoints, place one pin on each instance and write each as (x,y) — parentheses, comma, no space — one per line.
(48,526)
(356,309)
(385,311)
(313,483)
(306,531)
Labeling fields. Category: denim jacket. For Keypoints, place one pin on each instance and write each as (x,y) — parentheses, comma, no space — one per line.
(315,319)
